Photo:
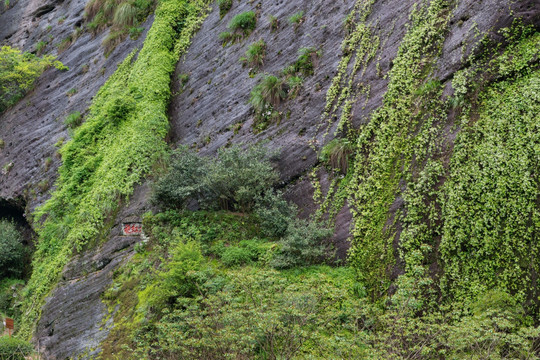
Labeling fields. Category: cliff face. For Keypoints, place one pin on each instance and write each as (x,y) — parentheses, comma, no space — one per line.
(211,110)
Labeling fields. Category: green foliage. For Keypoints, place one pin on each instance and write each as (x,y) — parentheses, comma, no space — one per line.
(247,252)
(495,244)
(336,154)
(224,7)
(274,22)
(73,120)
(266,95)
(297,19)
(120,141)
(233,180)
(255,54)
(178,280)
(125,15)
(244,22)
(258,314)
(12,251)
(305,64)
(306,243)
(12,348)
(274,213)
(400,130)
(18,72)
(10,297)
(240,27)
(40,46)
(122,16)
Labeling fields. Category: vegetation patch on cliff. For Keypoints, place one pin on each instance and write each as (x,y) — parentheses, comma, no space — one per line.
(120,141)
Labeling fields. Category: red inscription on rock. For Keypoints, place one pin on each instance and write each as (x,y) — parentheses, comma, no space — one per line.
(132,229)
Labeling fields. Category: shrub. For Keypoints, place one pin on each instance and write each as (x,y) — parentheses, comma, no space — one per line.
(228,37)
(297,19)
(243,23)
(267,94)
(303,245)
(224,7)
(73,120)
(18,72)
(236,256)
(125,15)
(12,348)
(274,213)
(336,154)
(294,83)
(12,251)
(40,46)
(258,314)
(305,64)
(184,180)
(71,92)
(274,22)
(231,181)
(255,54)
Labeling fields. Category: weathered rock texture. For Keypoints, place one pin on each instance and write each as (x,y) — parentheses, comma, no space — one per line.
(204,116)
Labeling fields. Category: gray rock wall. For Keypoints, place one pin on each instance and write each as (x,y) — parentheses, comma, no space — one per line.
(203,116)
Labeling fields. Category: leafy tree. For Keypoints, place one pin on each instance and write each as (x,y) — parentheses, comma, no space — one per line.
(303,245)
(232,181)
(12,251)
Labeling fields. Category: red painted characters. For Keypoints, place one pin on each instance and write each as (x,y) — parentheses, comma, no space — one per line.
(132,229)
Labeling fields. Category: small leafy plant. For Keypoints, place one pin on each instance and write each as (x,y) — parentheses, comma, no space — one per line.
(297,19)
(274,22)
(255,54)
(73,120)
(240,27)
(224,7)
(336,154)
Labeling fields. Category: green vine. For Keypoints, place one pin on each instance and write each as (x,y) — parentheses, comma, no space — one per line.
(117,145)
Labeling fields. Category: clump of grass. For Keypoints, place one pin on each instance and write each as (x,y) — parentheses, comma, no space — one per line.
(240,27)
(274,22)
(336,154)
(255,54)
(224,7)
(135,32)
(183,79)
(71,92)
(40,46)
(64,44)
(125,15)
(73,120)
(47,163)
(268,93)
(305,64)
(297,19)
(265,97)
(294,84)
(112,40)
